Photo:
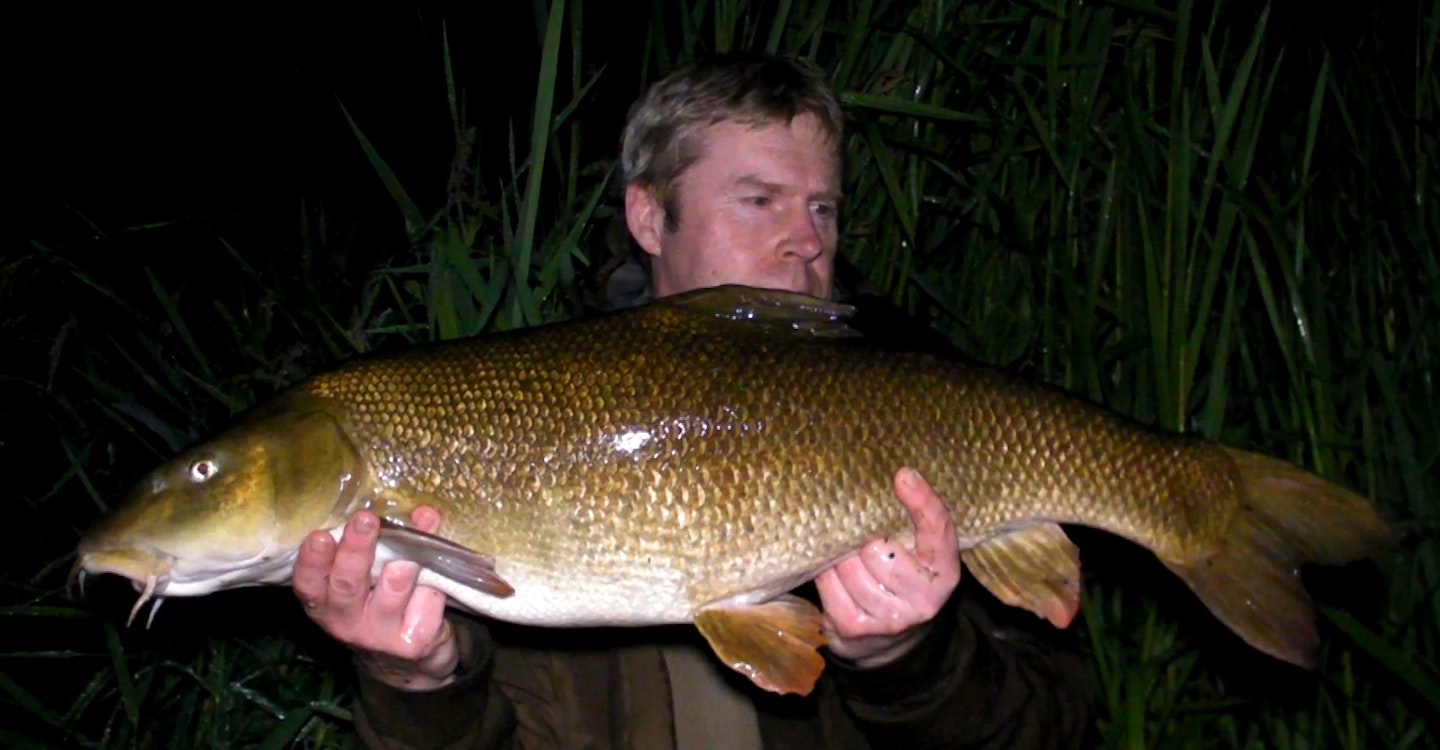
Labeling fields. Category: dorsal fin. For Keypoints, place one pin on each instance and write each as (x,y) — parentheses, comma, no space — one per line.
(770,310)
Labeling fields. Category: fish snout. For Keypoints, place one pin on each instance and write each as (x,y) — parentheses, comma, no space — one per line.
(147,571)
(134,564)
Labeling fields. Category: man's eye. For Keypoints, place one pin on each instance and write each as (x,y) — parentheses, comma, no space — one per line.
(760,201)
(824,209)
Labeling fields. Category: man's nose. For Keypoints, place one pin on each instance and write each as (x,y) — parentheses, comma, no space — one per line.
(803,239)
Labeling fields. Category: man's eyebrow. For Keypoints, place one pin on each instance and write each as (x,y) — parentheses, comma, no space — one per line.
(755,181)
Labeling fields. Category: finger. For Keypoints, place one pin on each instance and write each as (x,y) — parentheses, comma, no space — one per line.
(312,570)
(424,625)
(386,609)
(927,511)
(426,519)
(836,603)
(916,587)
(350,575)
(936,544)
(871,597)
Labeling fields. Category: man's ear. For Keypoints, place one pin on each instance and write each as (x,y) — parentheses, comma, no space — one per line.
(644,216)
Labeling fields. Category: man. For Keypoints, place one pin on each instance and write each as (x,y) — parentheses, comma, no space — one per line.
(732,173)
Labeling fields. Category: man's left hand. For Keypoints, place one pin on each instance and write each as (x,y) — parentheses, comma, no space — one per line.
(879,603)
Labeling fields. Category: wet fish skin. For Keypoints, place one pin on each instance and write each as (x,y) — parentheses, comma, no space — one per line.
(698,457)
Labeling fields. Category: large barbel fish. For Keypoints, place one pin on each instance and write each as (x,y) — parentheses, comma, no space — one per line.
(696,459)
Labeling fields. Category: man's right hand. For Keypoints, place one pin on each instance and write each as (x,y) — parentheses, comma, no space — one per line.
(397,628)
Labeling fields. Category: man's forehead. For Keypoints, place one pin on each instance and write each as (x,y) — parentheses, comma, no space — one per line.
(752,162)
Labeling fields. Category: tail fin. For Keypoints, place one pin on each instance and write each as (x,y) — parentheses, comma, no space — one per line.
(1287,517)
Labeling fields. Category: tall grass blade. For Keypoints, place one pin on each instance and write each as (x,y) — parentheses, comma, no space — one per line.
(415,222)
(539,142)
(130,695)
(1420,675)
(22,698)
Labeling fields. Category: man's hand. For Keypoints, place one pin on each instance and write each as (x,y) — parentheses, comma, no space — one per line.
(398,629)
(879,603)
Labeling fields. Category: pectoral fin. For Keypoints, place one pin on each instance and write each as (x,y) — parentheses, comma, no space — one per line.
(775,644)
(443,556)
(1036,568)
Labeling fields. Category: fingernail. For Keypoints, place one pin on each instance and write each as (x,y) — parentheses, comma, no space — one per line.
(907,477)
(318,544)
(365,523)
(394,577)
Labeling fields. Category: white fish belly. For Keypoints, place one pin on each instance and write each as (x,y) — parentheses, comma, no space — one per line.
(577,601)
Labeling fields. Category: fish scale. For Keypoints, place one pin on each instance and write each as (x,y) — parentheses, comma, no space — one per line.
(694,459)
(773,467)
(761,467)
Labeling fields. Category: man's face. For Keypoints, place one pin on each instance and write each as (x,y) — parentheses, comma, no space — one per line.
(757,208)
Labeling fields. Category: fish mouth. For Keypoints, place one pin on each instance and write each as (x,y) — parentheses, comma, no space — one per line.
(148,572)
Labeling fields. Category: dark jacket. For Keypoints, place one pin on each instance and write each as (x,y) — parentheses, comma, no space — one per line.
(973,683)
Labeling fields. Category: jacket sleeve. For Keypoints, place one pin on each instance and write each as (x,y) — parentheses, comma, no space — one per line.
(972,684)
(468,714)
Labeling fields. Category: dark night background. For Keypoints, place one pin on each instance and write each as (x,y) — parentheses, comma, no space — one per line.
(211,113)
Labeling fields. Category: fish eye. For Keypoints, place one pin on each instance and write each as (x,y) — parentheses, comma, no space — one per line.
(202,470)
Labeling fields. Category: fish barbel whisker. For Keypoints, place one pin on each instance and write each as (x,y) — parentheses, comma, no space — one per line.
(155,607)
(154,589)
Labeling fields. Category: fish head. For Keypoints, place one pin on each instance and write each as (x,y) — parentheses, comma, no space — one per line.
(229,512)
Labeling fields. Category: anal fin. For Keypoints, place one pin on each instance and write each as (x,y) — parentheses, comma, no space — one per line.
(1036,568)
(775,644)
(456,562)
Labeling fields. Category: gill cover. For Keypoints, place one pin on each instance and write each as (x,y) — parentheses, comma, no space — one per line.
(249,494)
